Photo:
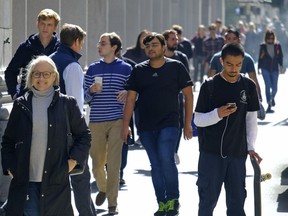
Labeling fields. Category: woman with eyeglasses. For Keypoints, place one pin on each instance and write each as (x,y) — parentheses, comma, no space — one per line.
(270,63)
(34,145)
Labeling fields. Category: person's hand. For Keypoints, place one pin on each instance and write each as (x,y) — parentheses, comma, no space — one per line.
(121,96)
(71,164)
(226,110)
(188,132)
(253,154)
(10,174)
(95,88)
(125,132)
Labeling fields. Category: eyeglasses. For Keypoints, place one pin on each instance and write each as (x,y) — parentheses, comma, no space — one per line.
(103,44)
(153,45)
(272,38)
(45,74)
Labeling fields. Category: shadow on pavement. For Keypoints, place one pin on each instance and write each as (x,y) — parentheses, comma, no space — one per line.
(283,197)
(282,123)
(142,172)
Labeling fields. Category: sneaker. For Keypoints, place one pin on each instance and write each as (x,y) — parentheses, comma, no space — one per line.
(161,210)
(100,198)
(122,182)
(269,110)
(172,207)
(138,142)
(176,158)
(112,210)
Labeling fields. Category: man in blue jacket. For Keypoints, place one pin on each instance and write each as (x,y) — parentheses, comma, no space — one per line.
(44,42)
(71,83)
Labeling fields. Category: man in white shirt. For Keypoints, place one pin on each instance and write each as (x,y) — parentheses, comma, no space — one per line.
(71,83)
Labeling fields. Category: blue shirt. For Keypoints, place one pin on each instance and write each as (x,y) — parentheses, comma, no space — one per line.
(247,65)
(104,106)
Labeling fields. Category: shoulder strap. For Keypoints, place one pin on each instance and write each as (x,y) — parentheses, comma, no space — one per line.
(245,82)
(69,134)
(210,88)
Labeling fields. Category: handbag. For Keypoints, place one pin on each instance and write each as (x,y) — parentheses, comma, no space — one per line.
(79,168)
(261,113)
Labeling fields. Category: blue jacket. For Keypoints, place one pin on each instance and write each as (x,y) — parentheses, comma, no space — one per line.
(62,58)
(26,51)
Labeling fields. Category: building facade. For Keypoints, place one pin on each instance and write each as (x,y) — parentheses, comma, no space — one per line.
(125,17)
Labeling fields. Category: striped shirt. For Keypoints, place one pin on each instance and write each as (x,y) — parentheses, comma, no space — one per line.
(104,106)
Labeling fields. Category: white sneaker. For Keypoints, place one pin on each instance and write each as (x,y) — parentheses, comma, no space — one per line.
(176,158)
(138,142)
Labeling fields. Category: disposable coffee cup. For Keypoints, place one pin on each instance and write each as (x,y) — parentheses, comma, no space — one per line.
(98,80)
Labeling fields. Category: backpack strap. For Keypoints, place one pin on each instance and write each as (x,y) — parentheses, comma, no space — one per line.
(210,88)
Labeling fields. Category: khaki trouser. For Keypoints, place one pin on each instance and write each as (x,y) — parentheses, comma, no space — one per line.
(106,148)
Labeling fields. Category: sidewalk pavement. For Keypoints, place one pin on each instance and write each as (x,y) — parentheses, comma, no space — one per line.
(137,196)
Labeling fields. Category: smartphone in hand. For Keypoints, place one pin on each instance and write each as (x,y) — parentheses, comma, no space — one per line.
(231,105)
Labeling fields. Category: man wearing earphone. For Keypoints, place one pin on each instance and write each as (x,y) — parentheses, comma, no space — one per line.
(226,117)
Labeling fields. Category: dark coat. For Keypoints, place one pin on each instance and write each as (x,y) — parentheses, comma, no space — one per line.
(266,62)
(16,144)
(24,54)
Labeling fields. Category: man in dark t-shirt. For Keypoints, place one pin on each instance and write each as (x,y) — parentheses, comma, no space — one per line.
(157,83)
(226,117)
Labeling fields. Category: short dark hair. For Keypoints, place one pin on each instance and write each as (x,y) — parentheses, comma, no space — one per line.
(178,28)
(167,33)
(70,33)
(114,39)
(232,31)
(234,49)
(153,35)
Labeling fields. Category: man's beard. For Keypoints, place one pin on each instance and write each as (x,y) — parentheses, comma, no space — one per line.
(171,48)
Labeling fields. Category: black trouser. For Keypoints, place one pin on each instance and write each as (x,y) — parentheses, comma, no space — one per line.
(82,193)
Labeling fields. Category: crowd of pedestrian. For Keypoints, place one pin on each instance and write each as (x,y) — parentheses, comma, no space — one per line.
(149,86)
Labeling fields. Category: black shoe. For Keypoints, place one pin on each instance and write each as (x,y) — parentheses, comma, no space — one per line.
(3,209)
(100,198)
(269,110)
(112,210)
(122,182)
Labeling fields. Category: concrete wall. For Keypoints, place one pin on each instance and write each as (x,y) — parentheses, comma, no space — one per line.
(125,17)
(5,32)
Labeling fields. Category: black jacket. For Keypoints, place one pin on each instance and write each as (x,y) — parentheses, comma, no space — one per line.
(266,62)
(16,144)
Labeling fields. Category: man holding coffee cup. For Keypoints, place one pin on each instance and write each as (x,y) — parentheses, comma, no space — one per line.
(104,91)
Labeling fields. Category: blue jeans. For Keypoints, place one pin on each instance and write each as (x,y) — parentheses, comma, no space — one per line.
(160,146)
(213,171)
(199,68)
(32,204)
(271,84)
